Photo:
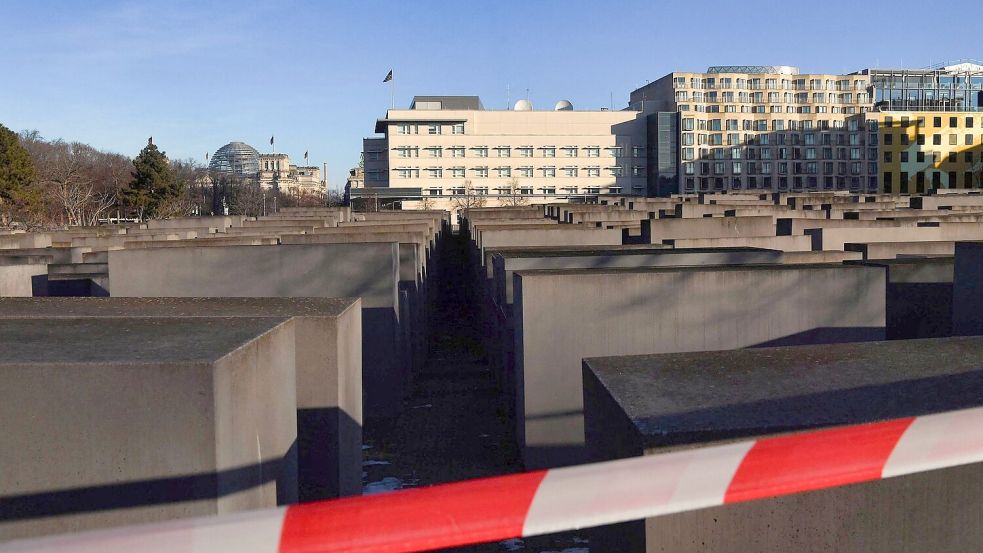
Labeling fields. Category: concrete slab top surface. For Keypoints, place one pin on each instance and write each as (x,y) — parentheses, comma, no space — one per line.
(688,398)
(696,268)
(52,307)
(598,250)
(141,341)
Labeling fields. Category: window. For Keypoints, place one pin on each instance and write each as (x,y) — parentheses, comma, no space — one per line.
(637,151)
(936,121)
(435,192)
(593,151)
(525,151)
(525,171)
(614,151)
(569,151)
(457,128)
(480,151)
(481,172)
(406,151)
(548,151)
(456,151)
(433,129)
(638,170)
(570,171)
(408,173)
(503,151)
(434,151)
(457,172)
(616,171)
(504,172)
(688,154)
(406,128)
(549,172)
(435,172)
(937,139)
(593,171)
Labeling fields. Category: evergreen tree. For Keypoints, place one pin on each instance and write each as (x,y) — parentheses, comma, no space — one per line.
(16,175)
(153,182)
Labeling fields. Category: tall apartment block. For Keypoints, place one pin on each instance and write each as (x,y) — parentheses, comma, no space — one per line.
(758,128)
(444,148)
(772,128)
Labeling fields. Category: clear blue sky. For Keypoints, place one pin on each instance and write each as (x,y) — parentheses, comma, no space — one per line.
(197,74)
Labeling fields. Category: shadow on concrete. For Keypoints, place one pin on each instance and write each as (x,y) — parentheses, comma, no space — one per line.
(158,491)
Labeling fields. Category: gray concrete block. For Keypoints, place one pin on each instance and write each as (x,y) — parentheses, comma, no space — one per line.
(640,405)
(122,421)
(564,316)
(328,364)
(967,290)
(366,270)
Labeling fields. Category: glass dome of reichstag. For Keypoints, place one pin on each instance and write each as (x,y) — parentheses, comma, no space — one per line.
(237,158)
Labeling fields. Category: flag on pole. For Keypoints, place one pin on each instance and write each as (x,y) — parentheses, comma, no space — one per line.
(389,76)
(305,156)
(271,141)
(150,141)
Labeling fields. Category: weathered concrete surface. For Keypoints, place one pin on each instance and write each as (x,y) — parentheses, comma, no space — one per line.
(366,270)
(22,276)
(919,297)
(891,250)
(644,404)
(967,290)
(781,243)
(328,363)
(121,421)
(564,316)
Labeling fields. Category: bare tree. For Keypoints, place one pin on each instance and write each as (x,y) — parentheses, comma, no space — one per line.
(79,183)
(470,199)
(512,197)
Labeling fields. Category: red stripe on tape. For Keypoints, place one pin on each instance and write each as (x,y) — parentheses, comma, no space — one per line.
(414,520)
(825,458)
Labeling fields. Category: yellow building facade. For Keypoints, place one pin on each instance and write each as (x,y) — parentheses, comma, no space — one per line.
(926,150)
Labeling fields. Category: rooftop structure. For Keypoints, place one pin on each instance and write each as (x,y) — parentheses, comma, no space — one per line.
(236,158)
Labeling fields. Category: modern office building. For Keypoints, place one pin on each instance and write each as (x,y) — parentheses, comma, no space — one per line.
(444,148)
(772,128)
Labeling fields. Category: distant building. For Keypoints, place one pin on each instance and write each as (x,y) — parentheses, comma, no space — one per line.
(757,128)
(771,128)
(269,170)
(445,148)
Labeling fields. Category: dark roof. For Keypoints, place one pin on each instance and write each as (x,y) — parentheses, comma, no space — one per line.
(450,102)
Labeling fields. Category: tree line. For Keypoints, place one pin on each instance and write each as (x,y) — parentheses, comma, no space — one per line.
(54,183)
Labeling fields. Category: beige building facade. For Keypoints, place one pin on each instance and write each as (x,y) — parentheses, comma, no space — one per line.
(275,170)
(444,149)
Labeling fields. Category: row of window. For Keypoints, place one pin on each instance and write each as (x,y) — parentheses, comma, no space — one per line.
(521,190)
(431,128)
(506,172)
(932,157)
(774,97)
(506,151)
(689,154)
(904,139)
(770,84)
(766,168)
(731,108)
(783,183)
(937,121)
(853,124)
(779,139)
(952,180)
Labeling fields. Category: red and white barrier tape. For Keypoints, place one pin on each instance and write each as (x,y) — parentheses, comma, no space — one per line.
(570,498)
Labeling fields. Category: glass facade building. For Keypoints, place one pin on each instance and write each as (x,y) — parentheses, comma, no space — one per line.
(958,88)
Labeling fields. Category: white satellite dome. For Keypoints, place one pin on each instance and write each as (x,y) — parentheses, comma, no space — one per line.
(563,105)
(523,105)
